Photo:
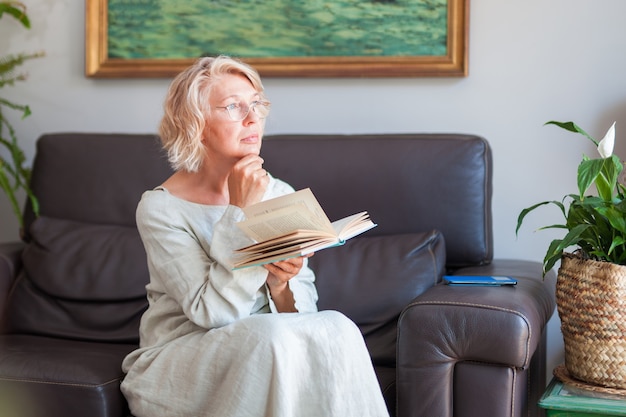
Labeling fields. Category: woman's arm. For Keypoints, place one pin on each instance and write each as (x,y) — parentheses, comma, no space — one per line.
(278,279)
(189,258)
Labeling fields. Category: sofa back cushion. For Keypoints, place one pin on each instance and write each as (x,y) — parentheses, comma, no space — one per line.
(80,281)
(95,177)
(408,183)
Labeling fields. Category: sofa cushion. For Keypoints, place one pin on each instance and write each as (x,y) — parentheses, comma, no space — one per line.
(54,377)
(371,280)
(82,261)
(80,280)
(95,177)
(392,176)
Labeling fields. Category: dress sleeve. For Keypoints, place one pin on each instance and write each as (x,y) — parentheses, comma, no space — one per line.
(189,263)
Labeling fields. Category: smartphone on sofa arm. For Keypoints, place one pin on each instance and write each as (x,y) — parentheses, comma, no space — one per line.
(479,280)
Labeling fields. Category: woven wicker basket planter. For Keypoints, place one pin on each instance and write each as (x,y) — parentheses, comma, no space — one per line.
(591,301)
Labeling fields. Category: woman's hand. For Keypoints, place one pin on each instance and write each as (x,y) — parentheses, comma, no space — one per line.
(278,282)
(247,181)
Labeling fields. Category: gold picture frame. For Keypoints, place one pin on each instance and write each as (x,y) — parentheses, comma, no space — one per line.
(98,63)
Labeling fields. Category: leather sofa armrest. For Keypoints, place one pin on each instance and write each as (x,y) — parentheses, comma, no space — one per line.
(10,264)
(492,325)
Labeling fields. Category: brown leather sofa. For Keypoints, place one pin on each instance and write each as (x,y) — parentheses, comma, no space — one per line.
(72,293)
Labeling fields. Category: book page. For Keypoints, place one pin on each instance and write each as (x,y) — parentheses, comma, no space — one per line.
(350,226)
(280,255)
(303,197)
(282,221)
(281,215)
(290,239)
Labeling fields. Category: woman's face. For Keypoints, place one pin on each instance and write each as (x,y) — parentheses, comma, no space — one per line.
(224,137)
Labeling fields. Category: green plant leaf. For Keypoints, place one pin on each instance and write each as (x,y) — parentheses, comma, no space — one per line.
(9,63)
(17,10)
(9,191)
(572,127)
(554,226)
(606,182)
(552,256)
(588,171)
(26,112)
(10,104)
(527,210)
(14,174)
(615,217)
(617,242)
(556,248)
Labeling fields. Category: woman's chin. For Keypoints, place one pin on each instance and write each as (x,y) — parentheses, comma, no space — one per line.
(252,148)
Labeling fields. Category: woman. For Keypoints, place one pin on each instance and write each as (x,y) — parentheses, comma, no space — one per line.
(211,341)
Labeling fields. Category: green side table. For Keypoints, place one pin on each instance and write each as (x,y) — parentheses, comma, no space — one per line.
(565,401)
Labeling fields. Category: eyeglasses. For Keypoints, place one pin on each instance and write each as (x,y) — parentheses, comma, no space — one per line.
(239,111)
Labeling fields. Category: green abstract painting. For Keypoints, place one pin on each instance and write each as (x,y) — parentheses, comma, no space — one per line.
(276,28)
(282,32)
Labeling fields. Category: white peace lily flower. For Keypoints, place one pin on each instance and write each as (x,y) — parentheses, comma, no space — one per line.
(605,147)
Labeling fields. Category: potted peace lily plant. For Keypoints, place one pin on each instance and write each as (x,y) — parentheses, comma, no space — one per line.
(591,281)
(14,174)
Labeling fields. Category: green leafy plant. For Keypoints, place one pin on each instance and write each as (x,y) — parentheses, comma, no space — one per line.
(14,174)
(595,224)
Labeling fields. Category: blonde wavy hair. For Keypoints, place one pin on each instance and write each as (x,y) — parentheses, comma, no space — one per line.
(186,108)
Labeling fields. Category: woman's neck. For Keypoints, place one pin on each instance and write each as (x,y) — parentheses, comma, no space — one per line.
(203,187)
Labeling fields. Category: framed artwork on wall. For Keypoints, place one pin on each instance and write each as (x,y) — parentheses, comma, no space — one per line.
(280,38)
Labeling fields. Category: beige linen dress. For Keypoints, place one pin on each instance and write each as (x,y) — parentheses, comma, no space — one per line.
(212,342)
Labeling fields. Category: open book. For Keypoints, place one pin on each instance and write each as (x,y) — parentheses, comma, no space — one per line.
(293,225)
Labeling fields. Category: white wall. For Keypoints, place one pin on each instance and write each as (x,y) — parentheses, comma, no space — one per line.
(530,61)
